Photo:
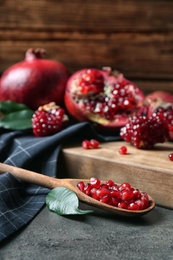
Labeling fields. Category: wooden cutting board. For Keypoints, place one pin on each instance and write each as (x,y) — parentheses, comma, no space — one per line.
(147,170)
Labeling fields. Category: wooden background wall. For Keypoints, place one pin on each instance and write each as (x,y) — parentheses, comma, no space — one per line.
(134,36)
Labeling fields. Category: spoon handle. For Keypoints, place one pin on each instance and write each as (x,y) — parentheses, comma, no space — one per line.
(30,176)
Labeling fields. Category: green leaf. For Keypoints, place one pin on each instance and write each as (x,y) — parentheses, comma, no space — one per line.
(15,116)
(64,202)
(10,106)
(17,120)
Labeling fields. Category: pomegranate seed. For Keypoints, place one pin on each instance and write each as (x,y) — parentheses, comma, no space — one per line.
(106,199)
(170,156)
(126,195)
(86,144)
(133,206)
(94,143)
(123,205)
(145,202)
(140,203)
(102,192)
(115,194)
(110,183)
(114,202)
(81,186)
(87,188)
(144,194)
(95,182)
(125,185)
(123,150)
(136,194)
(93,193)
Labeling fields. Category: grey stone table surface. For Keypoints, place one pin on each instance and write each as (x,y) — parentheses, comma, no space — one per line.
(100,235)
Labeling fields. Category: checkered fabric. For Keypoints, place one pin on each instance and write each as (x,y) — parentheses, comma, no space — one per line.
(19,201)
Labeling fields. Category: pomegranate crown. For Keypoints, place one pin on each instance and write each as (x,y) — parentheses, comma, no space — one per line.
(32,54)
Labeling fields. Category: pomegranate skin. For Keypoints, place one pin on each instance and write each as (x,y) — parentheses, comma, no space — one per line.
(35,81)
(75,103)
(159,95)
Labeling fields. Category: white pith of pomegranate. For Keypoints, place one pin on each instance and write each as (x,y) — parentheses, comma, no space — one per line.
(102,96)
(34,81)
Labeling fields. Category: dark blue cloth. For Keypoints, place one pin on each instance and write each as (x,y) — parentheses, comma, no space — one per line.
(19,201)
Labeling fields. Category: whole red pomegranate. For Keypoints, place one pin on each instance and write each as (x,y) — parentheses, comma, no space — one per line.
(103,97)
(35,81)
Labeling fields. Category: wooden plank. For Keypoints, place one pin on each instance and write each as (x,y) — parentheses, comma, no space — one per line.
(148,170)
(138,56)
(134,37)
(98,15)
(149,74)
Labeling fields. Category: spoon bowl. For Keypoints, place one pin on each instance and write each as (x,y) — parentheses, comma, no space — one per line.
(51,183)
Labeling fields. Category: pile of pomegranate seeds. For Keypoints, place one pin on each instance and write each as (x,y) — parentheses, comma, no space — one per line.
(90,144)
(121,196)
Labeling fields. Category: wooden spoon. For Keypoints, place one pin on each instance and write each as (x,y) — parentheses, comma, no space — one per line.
(50,182)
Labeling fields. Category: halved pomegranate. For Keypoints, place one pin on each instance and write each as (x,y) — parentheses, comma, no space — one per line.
(103,97)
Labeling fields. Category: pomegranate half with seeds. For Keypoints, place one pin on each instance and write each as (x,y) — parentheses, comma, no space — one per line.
(103,97)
